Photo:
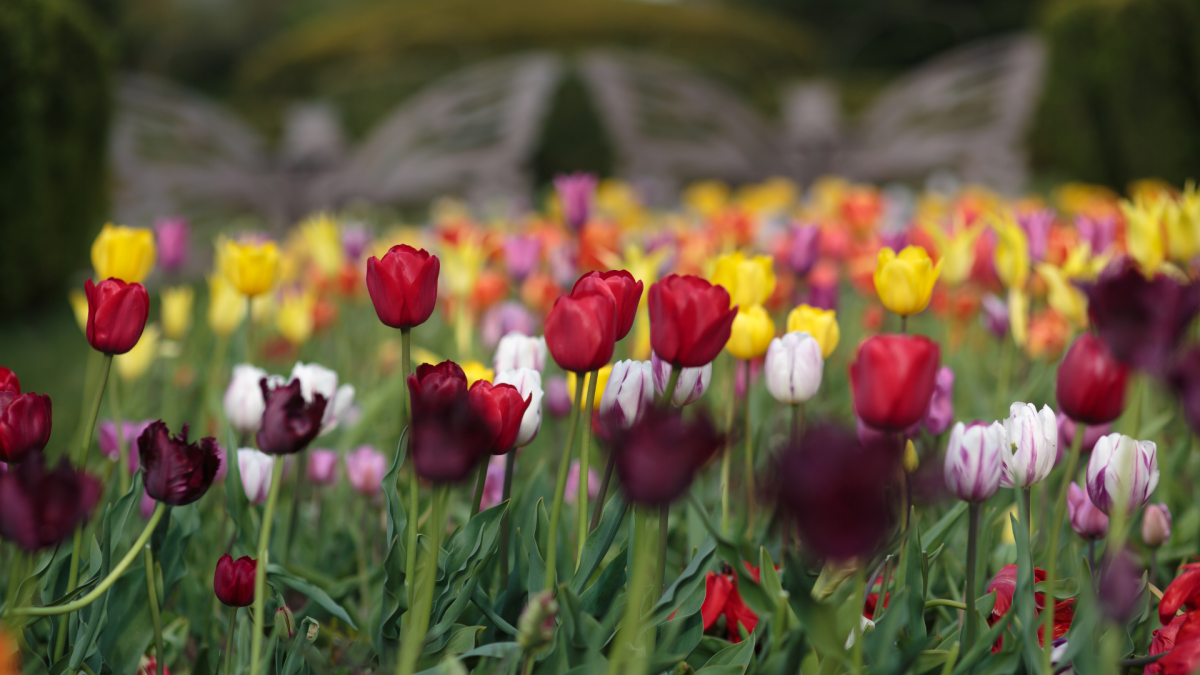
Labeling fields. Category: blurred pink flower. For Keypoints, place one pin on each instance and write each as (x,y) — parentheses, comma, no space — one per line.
(107,440)
(173,237)
(573,483)
(493,485)
(558,399)
(146,506)
(322,466)
(575,193)
(365,468)
(522,255)
(504,318)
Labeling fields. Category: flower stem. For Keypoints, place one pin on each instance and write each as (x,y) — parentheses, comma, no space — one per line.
(229,640)
(972,618)
(797,420)
(114,400)
(856,653)
(664,516)
(414,641)
(726,460)
(152,593)
(581,501)
(260,570)
(672,383)
(598,508)
(414,498)
(560,487)
(638,577)
(510,461)
(748,430)
(480,482)
(1060,510)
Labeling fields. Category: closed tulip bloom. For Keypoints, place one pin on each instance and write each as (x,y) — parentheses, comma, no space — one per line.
(434,387)
(520,351)
(940,414)
(39,508)
(322,466)
(251,266)
(226,306)
(1012,253)
(317,379)
(575,194)
(805,248)
(1119,463)
(1156,525)
(905,282)
(689,320)
(528,383)
(1091,383)
(177,472)
(255,469)
(124,253)
(365,468)
(690,386)
(627,293)
(177,311)
(1032,445)
(25,421)
(893,378)
(289,422)
(794,368)
(628,393)
(522,255)
(117,314)
(657,458)
(975,460)
(244,403)
(582,327)
(448,442)
(1088,521)
(749,281)
(173,236)
(234,581)
(500,408)
(134,363)
(403,285)
(751,333)
(9,381)
(819,323)
(1185,380)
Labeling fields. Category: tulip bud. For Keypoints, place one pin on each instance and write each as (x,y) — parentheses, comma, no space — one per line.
(1119,463)
(1156,525)
(1091,383)
(250,266)
(751,333)
(905,282)
(749,281)
(628,392)
(689,387)
(1088,521)
(581,328)
(25,422)
(317,379)
(177,472)
(794,368)
(974,460)
(893,378)
(124,253)
(520,351)
(322,467)
(1032,445)
(528,383)
(819,323)
(256,470)
(117,314)
(285,621)
(535,626)
(365,468)
(911,461)
(233,582)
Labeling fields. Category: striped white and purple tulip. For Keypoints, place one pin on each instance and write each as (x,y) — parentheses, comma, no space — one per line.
(974,460)
(630,390)
(1032,445)
(692,383)
(794,367)
(1120,466)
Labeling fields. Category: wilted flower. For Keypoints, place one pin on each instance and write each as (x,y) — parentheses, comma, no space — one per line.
(365,468)
(177,472)
(690,386)
(255,468)
(517,350)
(1121,463)
(1088,521)
(974,460)
(1032,445)
(794,368)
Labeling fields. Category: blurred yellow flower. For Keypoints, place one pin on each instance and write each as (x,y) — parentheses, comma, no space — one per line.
(79,306)
(177,311)
(1018,315)
(1181,237)
(1012,252)
(475,371)
(820,323)
(619,201)
(295,317)
(1073,198)
(462,263)
(264,308)
(251,267)
(1006,525)
(750,281)
(774,195)
(752,333)
(905,282)
(126,253)
(324,243)
(421,355)
(1081,264)
(912,461)
(133,364)
(226,306)
(1063,296)
(1143,232)
(601,382)
(957,252)
(706,197)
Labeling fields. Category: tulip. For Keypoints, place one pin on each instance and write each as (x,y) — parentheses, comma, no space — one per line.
(226,307)
(517,350)
(177,472)
(1088,521)
(25,421)
(751,333)
(1012,253)
(447,441)
(365,468)
(975,460)
(317,379)
(403,286)
(522,255)
(233,582)
(1063,296)
(435,387)
(582,327)
(905,282)
(575,194)
(134,363)
(295,320)
(289,421)
(1143,232)
(124,253)
(558,396)
(476,371)
(255,469)
(506,318)
(79,307)
(324,243)
(794,368)
(689,322)
(658,456)
(1032,445)
(173,236)
(500,408)
(40,509)
(819,323)
(1119,587)
(1156,525)
(957,251)
(107,441)
(627,394)
(493,486)
(805,248)
(1185,380)
(1098,232)
(1120,463)
(627,293)
(1036,225)
(117,314)
(994,316)
(690,386)
(1066,435)
(722,598)
(244,403)
(1004,585)
(322,467)
(251,267)
(528,383)
(749,281)
(177,311)
(9,381)
(893,378)
(823,293)
(1091,383)
(940,414)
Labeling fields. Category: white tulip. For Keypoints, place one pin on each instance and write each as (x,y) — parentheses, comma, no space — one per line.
(244,403)
(517,350)
(529,384)
(317,379)
(255,468)
(1032,445)
(794,367)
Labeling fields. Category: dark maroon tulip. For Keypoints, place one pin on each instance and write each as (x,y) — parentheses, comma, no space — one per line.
(1185,380)
(581,329)
(234,581)
(500,408)
(1091,383)
(837,491)
(627,292)
(9,381)
(403,286)
(117,314)
(1141,320)
(690,320)
(893,378)
(658,456)
(177,472)
(289,422)
(39,508)
(447,442)
(24,424)
(434,387)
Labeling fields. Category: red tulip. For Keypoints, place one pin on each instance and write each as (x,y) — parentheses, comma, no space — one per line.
(581,329)
(1181,640)
(893,378)
(9,381)
(40,508)
(690,320)
(403,286)
(500,408)
(117,314)
(721,597)
(234,581)
(24,424)
(1091,383)
(432,388)
(626,292)
(1005,586)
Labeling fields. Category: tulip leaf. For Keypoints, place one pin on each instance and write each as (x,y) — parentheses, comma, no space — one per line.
(915,579)
(394,601)
(467,553)
(1063,588)
(598,597)
(599,541)
(1023,600)
(942,528)
(692,577)
(279,575)
(734,655)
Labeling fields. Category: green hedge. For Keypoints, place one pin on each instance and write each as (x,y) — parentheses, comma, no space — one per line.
(55,102)
(1122,92)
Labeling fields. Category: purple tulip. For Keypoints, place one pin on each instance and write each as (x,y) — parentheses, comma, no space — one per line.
(1119,587)
(522,253)
(146,506)
(940,415)
(558,399)
(896,240)
(1037,229)
(355,239)
(1120,464)
(289,422)
(575,192)
(823,296)
(173,235)
(1088,521)
(1066,436)
(365,468)
(994,316)
(493,485)
(322,467)
(690,386)
(107,440)
(1098,232)
(504,318)
(177,472)
(975,460)
(805,249)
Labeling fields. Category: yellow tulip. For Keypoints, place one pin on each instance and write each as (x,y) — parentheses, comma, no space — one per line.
(752,333)
(461,264)
(264,308)
(126,253)
(820,323)
(1081,264)
(601,382)
(476,371)
(226,306)
(911,461)
(774,195)
(1012,252)
(177,311)
(706,197)
(133,364)
(79,306)
(324,243)
(295,317)
(251,267)
(905,282)
(1063,296)
(1143,233)
(1018,315)
(750,281)
(957,252)
(1181,238)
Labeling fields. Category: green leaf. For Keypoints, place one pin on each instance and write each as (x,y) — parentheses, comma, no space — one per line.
(692,578)
(278,574)
(128,630)
(599,541)
(915,583)
(734,655)
(597,599)
(937,534)
(385,634)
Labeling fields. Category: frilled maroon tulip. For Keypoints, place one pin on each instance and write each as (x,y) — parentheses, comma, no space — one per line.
(500,408)
(448,441)
(893,378)
(658,456)
(690,320)
(403,286)
(836,490)
(1141,320)
(627,293)
(234,581)
(1185,380)
(117,314)
(581,329)
(431,387)
(289,422)
(1091,383)
(24,424)
(9,381)
(39,508)
(177,472)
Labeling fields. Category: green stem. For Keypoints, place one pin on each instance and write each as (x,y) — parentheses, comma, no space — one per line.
(105,369)
(1052,540)
(560,487)
(664,516)
(414,497)
(672,383)
(480,482)
(797,420)
(726,459)
(972,618)
(638,577)
(942,602)
(122,448)
(903,324)
(598,508)
(229,640)
(581,499)
(510,461)
(1006,358)
(260,570)
(749,456)
(152,592)
(364,574)
(856,653)
(1023,521)
(414,641)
